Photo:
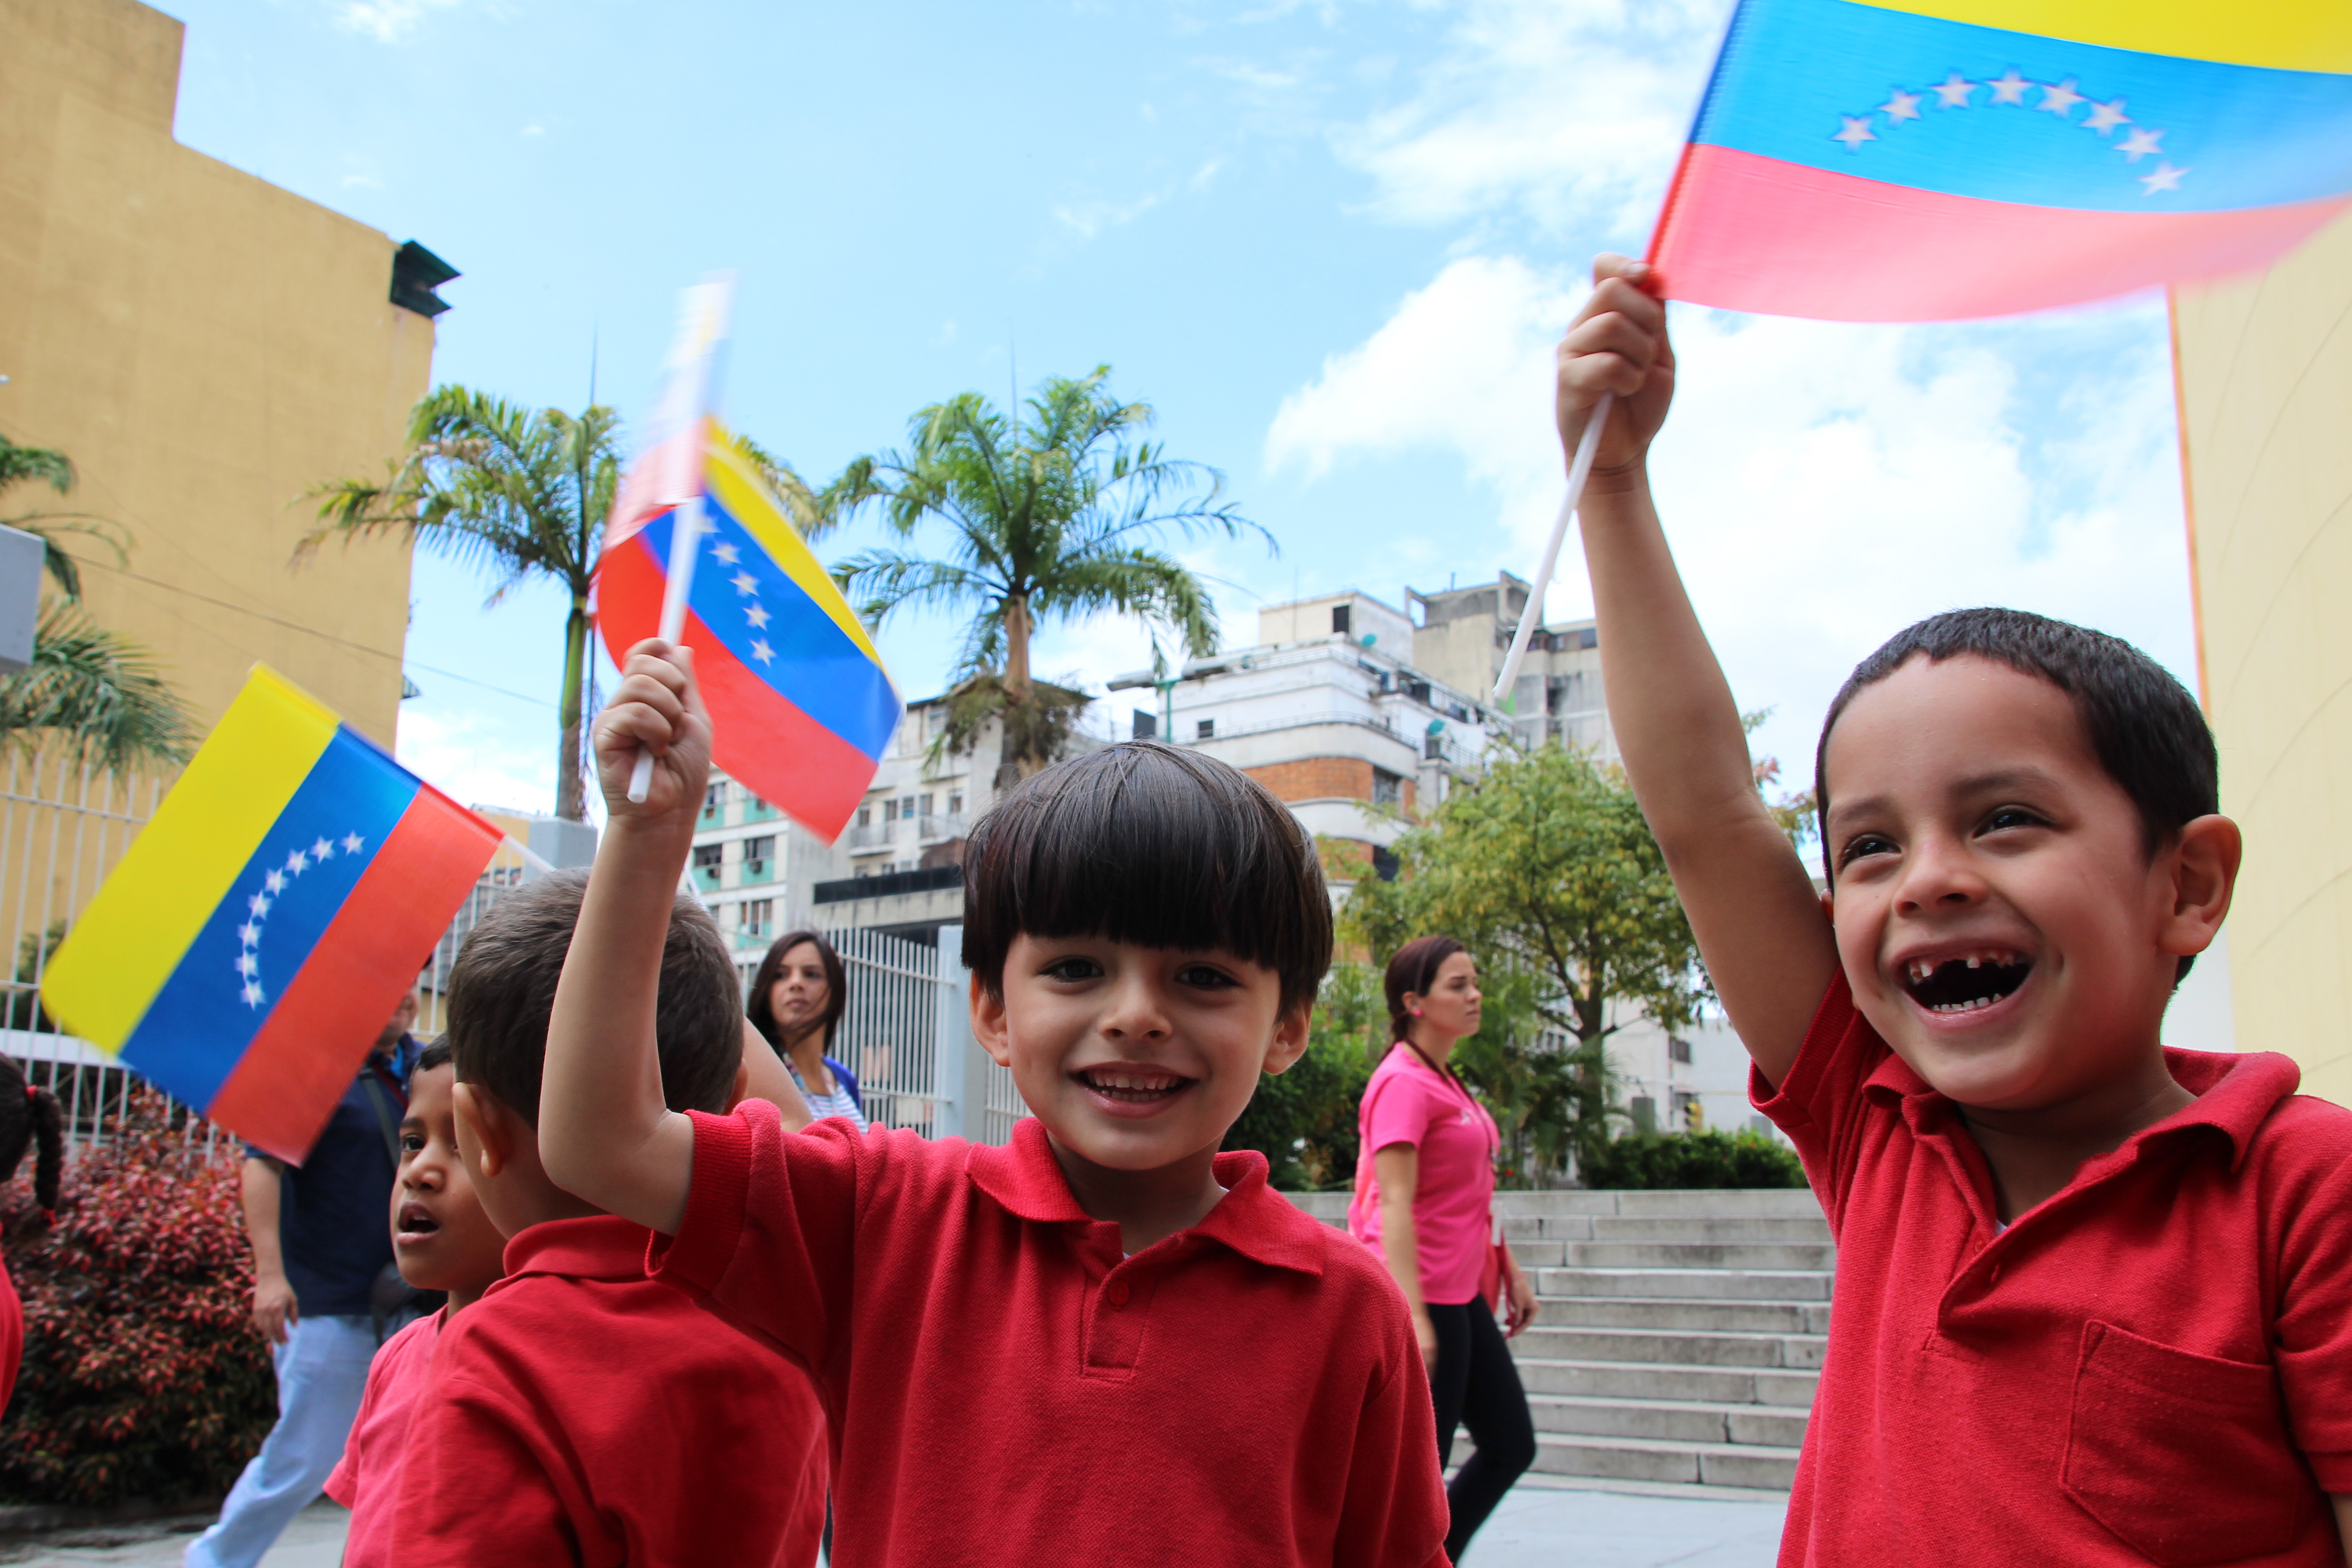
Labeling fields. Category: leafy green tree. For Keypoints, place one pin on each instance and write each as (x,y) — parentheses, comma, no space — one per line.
(1545,868)
(1056,516)
(1304,1120)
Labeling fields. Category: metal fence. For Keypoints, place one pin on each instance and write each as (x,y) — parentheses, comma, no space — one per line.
(62,828)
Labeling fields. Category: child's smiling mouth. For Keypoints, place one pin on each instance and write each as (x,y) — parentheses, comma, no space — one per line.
(1956,983)
(1133,1084)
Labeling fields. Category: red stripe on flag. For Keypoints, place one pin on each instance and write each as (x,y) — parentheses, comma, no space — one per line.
(1750,233)
(281,1092)
(762,738)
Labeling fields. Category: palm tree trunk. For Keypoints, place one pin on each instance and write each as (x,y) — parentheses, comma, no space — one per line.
(1017,646)
(569,802)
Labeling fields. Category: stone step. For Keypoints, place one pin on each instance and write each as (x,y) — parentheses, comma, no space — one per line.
(1813,1231)
(1769,1469)
(1714,1284)
(1668,1420)
(1744,1202)
(1540,1253)
(1687,1312)
(1699,1255)
(1641,1380)
(1555,1342)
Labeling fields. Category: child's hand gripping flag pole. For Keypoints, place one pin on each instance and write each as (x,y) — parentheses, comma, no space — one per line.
(248,947)
(669,475)
(1930,160)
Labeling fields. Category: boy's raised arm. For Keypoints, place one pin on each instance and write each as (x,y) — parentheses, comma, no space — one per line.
(604,1131)
(1759,927)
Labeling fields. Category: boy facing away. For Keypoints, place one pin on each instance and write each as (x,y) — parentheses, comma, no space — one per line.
(1104,1343)
(2095,1297)
(580,1413)
(441,1241)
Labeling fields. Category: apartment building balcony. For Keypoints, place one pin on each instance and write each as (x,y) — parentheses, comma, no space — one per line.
(931,828)
(872,839)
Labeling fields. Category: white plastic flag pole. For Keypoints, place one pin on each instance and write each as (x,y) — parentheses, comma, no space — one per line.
(685,527)
(1579,468)
(673,458)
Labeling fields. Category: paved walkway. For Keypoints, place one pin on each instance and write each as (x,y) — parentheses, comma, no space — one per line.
(1533,1528)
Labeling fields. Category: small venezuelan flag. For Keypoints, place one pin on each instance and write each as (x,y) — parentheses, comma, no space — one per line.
(247,951)
(1917,160)
(801,707)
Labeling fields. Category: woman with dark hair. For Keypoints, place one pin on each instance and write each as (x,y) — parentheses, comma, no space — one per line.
(29,1117)
(797,997)
(1425,1192)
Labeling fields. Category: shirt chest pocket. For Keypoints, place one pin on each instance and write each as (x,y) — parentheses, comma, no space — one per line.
(2184,1456)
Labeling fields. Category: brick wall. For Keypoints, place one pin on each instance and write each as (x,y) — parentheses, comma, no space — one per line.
(1323,778)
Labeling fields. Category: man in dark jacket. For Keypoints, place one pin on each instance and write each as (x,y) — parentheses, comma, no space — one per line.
(322,1233)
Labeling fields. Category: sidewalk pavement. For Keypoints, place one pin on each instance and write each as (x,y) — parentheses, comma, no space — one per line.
(1534,1528)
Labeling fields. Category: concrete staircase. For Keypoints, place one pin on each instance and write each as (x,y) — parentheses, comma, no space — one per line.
(1681,1335)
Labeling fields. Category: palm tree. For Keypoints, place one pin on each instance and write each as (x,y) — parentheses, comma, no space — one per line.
(1055,519)
(95,694)
(520,494)
(45,465)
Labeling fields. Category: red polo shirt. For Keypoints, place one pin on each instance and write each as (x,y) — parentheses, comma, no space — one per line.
(1005,1387)
(582,1414)
(2154,1365)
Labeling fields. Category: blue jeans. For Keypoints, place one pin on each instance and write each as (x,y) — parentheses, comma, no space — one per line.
(322,1372)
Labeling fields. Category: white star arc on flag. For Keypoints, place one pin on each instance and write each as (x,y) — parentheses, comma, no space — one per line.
(1855,132)
(2059,98)
(761,651)
(726,554)
(2105,116)
(2165,178)
(1901,107)
(2137,145)
(1953,91)
(2010,89)
(275,881)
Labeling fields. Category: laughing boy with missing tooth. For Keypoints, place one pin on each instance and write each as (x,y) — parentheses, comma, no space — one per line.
(2095,1297)
(1104,1343)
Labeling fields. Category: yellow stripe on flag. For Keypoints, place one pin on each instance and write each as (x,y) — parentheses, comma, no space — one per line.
(747,501)
(133,934)
(2295,35)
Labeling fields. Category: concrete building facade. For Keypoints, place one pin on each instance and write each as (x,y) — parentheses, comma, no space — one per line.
(2265,375)
(204,347)
(1462,636)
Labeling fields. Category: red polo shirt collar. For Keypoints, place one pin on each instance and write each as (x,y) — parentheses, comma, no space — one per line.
(1025,1177)
(595,1247)
(2235,1094)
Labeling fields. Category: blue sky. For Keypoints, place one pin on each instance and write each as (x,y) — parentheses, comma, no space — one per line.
(1332,242)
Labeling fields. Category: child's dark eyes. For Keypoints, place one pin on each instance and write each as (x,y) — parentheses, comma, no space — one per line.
(411,1142)
(1203,977)
(2010,817)
(1865,844)
(1072,968)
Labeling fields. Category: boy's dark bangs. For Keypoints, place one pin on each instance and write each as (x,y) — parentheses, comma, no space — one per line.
(1148,845)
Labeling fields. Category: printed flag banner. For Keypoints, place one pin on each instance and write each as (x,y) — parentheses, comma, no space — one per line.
(247,951)
(801,707)
(1931,160)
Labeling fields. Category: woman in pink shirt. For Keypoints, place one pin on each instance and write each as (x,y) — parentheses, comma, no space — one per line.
(1424,1190)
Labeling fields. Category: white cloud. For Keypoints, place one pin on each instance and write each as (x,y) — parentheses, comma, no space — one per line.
(505,758)
(1563,113)
(386,21)
(1089,218)
(1823,484)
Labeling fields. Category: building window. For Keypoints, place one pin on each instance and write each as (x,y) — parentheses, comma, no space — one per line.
(927,805)
(955,803)
(1387,788)
(759,918)
(709,854)
(1385,865)
(714,799)
(760,850)
(1144,726)
(1340,619)
(865,817)
(905,807)
(1678,1050)
(1206,729)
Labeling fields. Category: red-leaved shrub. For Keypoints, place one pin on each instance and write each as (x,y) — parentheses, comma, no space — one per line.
(143,1376)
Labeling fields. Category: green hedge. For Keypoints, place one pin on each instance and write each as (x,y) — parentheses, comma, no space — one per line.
(1652,1161)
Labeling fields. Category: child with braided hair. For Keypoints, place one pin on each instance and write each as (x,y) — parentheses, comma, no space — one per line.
(30,1118)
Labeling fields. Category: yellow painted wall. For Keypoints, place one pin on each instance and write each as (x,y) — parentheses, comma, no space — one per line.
(205,346)
(2266,369)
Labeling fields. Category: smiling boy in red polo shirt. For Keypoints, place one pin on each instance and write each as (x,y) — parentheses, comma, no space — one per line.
(1104,1343)
(2095,1297)
(580,1414)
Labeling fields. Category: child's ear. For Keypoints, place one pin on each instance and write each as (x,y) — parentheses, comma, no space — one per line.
(1290,1037)
(481,1124)
(2204,869)
(988,1023)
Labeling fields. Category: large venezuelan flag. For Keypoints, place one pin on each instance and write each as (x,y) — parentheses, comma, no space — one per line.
(248,947)
(1917,160)
(801,707)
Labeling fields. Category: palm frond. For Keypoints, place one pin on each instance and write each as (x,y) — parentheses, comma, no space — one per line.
(39,465)
(96,694)
(62,569)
